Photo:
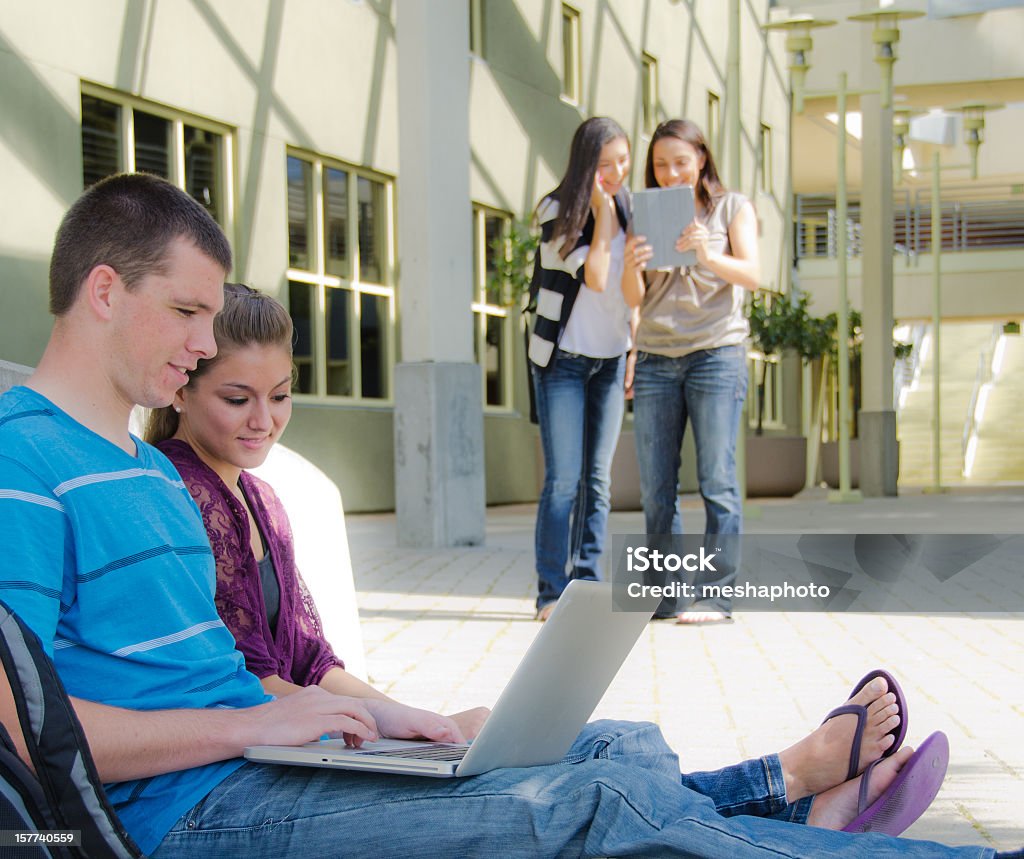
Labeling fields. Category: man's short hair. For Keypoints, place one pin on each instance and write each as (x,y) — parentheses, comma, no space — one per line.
(127,221)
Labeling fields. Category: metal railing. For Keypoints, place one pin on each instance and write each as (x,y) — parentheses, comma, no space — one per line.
(974,217)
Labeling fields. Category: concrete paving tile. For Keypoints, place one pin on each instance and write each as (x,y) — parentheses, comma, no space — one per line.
(445,629)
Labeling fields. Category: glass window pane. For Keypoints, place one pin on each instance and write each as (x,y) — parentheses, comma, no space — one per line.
(474,295)
(101,139)
(570,53)
(152,144)
(495,228)
(476,28)
(373,345)
(339,360)
(336,222)
(649,90)
(301,304)
(476,338)
(494,363)
(373,231)
(202,168)
(300,183)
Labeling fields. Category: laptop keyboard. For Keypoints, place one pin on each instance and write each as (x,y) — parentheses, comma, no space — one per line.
(431,752)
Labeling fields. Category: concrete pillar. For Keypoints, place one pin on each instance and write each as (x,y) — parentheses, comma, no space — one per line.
(879,463)
(439,456)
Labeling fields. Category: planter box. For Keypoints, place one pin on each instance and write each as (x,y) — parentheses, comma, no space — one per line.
(776,465)
(830,463)
(626,474)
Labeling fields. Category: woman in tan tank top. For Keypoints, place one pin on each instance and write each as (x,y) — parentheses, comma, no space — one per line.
(691,356)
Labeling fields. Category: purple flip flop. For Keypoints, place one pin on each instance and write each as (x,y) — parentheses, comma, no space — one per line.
(899,733)
(910,793)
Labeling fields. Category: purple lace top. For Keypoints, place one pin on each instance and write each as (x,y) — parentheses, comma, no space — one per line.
(297,651)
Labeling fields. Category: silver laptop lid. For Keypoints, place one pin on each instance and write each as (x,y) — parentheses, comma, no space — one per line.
(564,674)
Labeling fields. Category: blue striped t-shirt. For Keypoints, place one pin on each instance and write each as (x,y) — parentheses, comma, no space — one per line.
(107,560)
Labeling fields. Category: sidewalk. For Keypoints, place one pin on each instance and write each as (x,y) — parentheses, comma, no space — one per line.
(444,629)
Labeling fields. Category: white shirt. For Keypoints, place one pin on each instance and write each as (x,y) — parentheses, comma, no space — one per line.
(598,326)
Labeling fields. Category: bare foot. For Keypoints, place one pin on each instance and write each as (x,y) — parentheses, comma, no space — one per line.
(837,808)
(696,617)
(544,612)
(821,759)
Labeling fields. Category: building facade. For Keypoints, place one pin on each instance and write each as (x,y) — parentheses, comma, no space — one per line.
(282,119)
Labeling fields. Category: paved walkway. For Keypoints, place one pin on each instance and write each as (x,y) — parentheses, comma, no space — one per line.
(444,629)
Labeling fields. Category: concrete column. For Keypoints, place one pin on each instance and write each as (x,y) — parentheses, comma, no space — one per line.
(439,456)
(879,462)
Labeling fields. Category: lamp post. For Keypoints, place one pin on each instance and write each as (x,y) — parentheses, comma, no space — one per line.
(974,129)
(844,494)
(885,35)
(878,472)
(936,321)
(798,46)
(900,132)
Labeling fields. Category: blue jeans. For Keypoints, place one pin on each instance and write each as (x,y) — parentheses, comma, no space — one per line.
(617,793)
(580,402)
(706,388)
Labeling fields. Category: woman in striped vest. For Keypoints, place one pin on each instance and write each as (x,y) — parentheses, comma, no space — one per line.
(577,354)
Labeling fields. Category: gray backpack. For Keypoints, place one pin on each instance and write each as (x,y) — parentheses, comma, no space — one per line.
(64,794)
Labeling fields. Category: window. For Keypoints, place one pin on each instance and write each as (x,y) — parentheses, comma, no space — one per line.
(122,133)
(476,28)
(571,71)
(341,292)
(491,337)
(765,158)
(649,91)
(712,131)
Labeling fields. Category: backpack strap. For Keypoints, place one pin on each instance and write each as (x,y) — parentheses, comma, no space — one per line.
(70,786)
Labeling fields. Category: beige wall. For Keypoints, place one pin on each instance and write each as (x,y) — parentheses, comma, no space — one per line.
(975,285)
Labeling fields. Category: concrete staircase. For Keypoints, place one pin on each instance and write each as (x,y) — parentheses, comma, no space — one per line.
(1000,450)
(962,343)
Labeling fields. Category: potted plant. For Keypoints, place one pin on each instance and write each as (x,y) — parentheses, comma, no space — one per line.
(508,282)
(777,463)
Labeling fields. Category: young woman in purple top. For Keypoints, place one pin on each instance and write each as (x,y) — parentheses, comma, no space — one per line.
(225,420)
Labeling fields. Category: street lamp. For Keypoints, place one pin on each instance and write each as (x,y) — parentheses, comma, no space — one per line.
(974,129)
(885,35)
(798,46)
(900,131)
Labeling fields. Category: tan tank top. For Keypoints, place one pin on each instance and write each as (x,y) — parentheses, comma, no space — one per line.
(685,310)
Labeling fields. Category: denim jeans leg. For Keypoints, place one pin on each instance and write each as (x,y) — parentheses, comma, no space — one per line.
(716,386)
(659,422)
(604,405)
(618,794)
(560,392)
(754,787)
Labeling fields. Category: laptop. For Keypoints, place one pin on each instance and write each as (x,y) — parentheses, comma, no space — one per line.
(551,695)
